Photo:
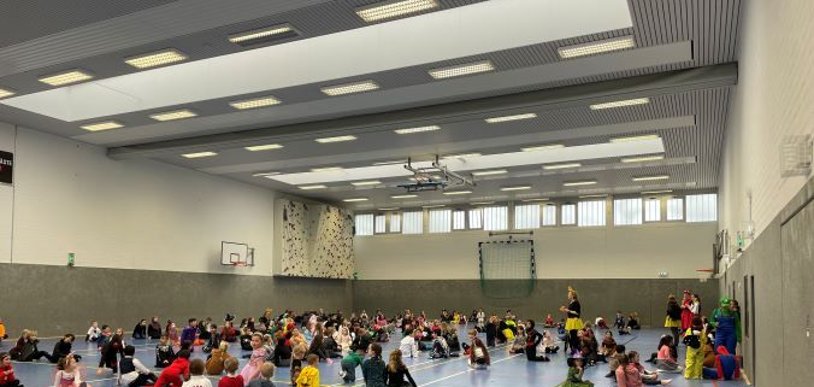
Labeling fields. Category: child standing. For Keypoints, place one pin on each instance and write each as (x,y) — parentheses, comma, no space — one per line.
(309,376)
(491,331)
(7,378)
(196,372)
(232,379)
(695,339)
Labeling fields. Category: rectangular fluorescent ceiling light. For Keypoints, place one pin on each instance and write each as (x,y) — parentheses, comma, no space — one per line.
(535,200)
(312,187)
(616,104)
(263,35)
(390,162)
(6,93)
(418,129)
(482,203)
(326,140)
(354,200)
(350,88)
(156,59)
(561,166)
(594,48)
(256,148)
(388,209)
(490,173)
(199,155)
(410,196)
(255,103)
(66,78)
(516,188)
(461,156)
(645,137)
(365,183)
(99,126)
(579,183)
(543,147)
(593,196)
(173,115)
(651,178)
(391,9)
(265,174)
(642,159)
(326,169)
(461,70)
(457,192)
(434,206)
(664,191)
(516,117)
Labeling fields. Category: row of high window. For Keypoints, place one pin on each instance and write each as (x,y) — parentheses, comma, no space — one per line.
(526,216)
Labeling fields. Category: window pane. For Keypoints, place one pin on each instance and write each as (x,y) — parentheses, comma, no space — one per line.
(440,221)
(675,209)
(652,210)
(569,214)
(459,220)
(702,208)
(550,215)
(395,222)
(526,216)
(413,222)
(495,218)
(475,216)
(591,213)
(364,224)
(627,211)
(381,223)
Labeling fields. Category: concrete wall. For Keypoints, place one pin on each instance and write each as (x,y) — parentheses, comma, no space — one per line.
(561,252)
(772,100)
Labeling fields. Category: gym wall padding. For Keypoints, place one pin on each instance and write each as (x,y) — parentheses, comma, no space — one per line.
(58,300)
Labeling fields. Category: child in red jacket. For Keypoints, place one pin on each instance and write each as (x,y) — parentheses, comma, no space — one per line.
(7,378)
(176,373)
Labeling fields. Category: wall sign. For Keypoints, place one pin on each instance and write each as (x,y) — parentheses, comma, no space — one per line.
(6,167)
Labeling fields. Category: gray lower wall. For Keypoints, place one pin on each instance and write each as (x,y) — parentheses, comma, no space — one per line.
(56,299)
(599,297)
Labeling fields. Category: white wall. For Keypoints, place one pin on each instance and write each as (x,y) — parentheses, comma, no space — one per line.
(773,99)
(134,214)
(561,252)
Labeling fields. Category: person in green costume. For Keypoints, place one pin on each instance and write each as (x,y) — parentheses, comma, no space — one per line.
(727,325)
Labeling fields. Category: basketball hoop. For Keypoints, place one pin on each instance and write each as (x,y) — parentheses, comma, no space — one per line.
(704,274)
(240,264)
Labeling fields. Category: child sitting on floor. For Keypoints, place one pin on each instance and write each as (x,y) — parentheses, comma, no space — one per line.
(576,369)
(519,344)
(132,372)
(478,353)
(232,378)
(217,360)
(196,375)
(164,354)
(549,321)
(251,370)
(665,360)
(309,376)
(266,373)
(67,373)
(7,378)
(550,343)
(94,332)
(440,348)
(648,377)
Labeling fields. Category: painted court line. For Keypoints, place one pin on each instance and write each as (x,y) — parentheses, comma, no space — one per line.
(467,371)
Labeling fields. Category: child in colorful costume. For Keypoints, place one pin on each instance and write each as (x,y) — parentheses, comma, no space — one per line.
(726,366)
(727,325)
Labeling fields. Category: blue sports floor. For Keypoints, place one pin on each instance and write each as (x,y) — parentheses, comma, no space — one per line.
(506,370)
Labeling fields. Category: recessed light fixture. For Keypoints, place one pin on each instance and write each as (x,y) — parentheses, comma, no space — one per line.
(641,159)
(354,200)
(66,78)
(543,147)
(645,137)
(173,115)
(419,129)
(350,88)
(312,187)
(461,156)
(664,191)
(466,192)
(651,178)
(579,183)
(392,9)
(594,48)
(263,35)
(593,196)
(490,172)
(535,200)
(156,59)
(327,140)
(257,148)
(326,169)
(198,155)
(410,196)
(265,174)
(434,206)
(561,166)
(99,126)
(255,103)
(516,117)
(516,188)
(6,93)
(388,209)
(366,183)
(461,70)
(623,103)
(482,203)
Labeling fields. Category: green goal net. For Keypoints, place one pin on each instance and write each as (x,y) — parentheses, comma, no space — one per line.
(507,268)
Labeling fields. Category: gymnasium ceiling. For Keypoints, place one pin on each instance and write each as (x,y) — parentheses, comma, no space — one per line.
(683,65)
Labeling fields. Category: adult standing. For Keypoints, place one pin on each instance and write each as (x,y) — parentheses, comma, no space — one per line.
(673,318)
(573,320)
(727,325)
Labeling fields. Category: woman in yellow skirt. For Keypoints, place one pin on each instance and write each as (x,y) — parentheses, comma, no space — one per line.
(573,322)
(673,319)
